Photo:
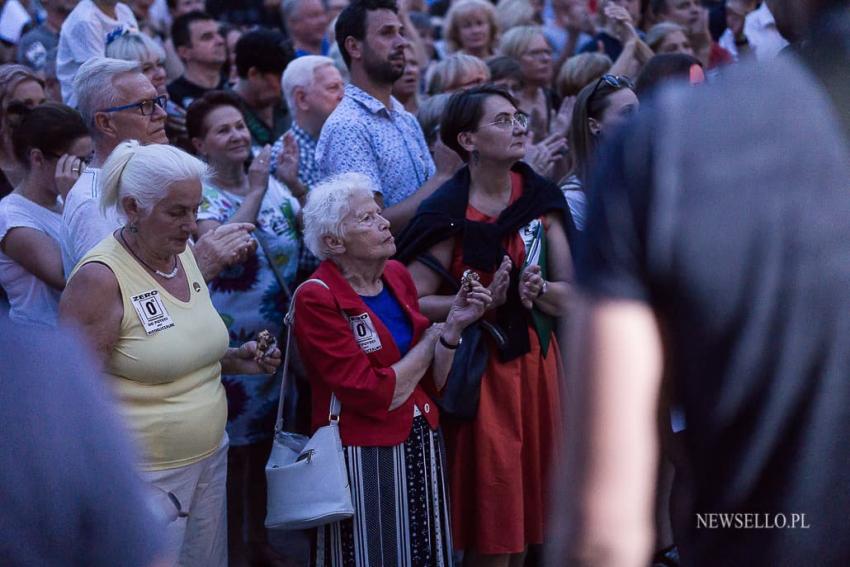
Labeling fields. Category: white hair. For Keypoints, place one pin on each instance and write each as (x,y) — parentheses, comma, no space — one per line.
(327,205)
(301,72)
(93,85)
(145,173)
(135,46)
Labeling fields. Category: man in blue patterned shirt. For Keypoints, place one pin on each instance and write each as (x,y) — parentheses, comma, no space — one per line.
(370,132)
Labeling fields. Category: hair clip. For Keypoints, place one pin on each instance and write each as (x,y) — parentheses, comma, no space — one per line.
(119,32)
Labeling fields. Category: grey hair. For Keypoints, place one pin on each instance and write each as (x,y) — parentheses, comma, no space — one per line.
(301,72)
(135,46)
(93,85)
(287,7)
(516,40)
(327,205)
(145,173)
(657,33)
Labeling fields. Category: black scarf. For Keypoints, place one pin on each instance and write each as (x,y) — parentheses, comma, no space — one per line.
(443,215)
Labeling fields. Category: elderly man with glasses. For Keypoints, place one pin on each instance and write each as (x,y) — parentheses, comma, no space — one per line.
(119,103)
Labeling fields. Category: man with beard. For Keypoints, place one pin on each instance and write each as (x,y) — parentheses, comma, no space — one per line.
(370,132)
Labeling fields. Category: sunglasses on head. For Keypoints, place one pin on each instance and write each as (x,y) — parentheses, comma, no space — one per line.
(613,81)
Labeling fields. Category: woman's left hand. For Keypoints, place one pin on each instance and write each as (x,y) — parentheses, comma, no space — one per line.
(287,165)
(68,170)
(468,306)
(247,359)
(530,285)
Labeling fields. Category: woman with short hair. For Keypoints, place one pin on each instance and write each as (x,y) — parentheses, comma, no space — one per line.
(364,341)
(457,72)
(140,299)
(18,83)
(496,216)
(132,45)
(668,37)
(52,145)
(470,28)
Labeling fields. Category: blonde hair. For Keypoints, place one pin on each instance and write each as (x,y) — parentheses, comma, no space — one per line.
(657,33)
(145,173)
(511,14)
(515,41)
(135,46)
(579,71)
(448,74)
(327,205)
(460,11)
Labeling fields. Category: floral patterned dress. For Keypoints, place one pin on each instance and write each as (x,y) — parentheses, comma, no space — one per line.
(249,299)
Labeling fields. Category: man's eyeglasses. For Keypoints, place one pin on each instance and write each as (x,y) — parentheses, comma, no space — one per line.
(613,81)
(509,122)
(146,107)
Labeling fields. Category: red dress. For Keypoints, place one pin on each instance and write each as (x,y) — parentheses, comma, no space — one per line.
(499,463)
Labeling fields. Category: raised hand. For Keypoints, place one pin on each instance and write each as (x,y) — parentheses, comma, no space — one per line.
(288,162)
(469,305)
(501,282)
(68,170)
(228,244)
(258,173)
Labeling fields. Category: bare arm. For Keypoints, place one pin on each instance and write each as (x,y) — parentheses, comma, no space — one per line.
(559,283)
(412,367)
(616,349)
(92,301)
(435,307)
(37,253)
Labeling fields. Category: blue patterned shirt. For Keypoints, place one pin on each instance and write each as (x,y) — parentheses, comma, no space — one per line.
(362,135)
(308,167)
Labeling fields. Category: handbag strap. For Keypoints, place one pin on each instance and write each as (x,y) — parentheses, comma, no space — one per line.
(429,261)
(289,320)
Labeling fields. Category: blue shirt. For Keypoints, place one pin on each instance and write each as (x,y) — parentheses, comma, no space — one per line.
(388,146)
(389,311)
(308,169)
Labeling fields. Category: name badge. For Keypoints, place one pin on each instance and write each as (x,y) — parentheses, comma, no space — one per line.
(151,312)
(365,333)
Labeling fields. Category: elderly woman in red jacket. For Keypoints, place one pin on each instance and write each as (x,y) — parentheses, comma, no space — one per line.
(363,339)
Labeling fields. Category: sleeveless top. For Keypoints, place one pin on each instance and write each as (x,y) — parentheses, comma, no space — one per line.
(167,374)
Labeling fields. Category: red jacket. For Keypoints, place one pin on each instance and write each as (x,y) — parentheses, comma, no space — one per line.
(335,361)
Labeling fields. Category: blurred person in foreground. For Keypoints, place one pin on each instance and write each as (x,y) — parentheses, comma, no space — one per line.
(364,340)
(722,307)
(92,510)
(141,302)
(498,217)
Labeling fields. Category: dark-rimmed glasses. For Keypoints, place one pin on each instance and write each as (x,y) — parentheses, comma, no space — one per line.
(613,81)
(509,122)
(146,107)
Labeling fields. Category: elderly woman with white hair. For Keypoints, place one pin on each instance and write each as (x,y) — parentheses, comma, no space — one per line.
(140,299)
(363,339)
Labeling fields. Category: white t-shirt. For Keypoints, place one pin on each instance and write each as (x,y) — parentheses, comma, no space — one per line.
(83,36)
(83,225)
(30,299)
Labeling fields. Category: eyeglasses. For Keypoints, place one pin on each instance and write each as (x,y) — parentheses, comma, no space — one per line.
(509,122)
(146,107)
(613,81)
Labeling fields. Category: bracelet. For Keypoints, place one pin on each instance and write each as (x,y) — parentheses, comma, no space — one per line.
(449,345)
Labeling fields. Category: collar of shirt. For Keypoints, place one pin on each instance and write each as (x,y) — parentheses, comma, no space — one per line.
(369,102)
(301,135)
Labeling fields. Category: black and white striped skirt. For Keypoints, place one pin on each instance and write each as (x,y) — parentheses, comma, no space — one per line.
(401,507)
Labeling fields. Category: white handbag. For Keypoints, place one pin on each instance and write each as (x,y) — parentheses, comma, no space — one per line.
(307,481)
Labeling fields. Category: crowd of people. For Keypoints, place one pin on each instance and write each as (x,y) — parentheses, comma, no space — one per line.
(172,171)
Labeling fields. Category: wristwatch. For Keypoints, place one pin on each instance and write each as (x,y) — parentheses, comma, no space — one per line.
(449,345)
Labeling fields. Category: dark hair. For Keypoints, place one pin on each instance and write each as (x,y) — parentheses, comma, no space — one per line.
(180,34)
(464,111)
(51,127)
(201,107)
(591,102)
(663,68)
(505,67)
(657,7)
(352,22)
(266,50)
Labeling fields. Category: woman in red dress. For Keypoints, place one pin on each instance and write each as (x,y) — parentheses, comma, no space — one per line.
(498,217)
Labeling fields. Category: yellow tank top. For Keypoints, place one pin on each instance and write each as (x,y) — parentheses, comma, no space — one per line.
(165,366)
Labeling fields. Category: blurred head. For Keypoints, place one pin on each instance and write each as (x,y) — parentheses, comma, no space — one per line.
(736,13)
(197,39)
(136,46)
(305,20)
(179,7)
(19,83)
(217,129)
(457,72)
(429,114)
(261,57)
(42,135)
(334,7)
(485,122)
(342,220)
(631,6)
(668,37)
(470,25)
(118,102)
(157,189)
(370,36)
(506,72)
(514,13)
(575,12)
(579,71)
(313,87)
(527,45)
(600,107)
(407,86)
(686,13)
(422,22)
(62,7)
(665,68)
